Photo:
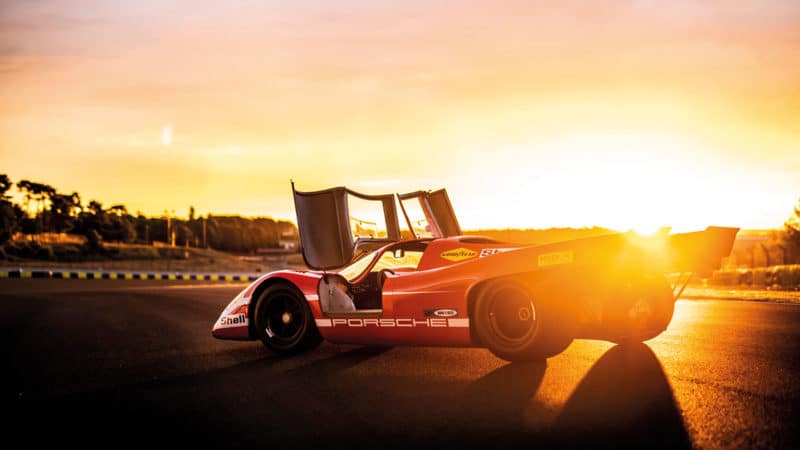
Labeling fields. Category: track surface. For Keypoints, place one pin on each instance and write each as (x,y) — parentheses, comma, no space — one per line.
(110,363)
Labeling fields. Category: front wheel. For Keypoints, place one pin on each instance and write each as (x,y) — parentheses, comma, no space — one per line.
(517,325)
(284,322)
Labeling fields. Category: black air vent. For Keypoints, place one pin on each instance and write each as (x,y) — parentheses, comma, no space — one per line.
(478,240)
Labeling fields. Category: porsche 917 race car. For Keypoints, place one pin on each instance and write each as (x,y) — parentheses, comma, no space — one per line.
(372,283)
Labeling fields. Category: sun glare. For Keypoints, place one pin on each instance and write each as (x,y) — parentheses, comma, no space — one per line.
(639,182)
(648,230)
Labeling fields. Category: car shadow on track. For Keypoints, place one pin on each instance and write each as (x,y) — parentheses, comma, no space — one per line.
(358,398)
(498,399)
(270,399)
(624,401)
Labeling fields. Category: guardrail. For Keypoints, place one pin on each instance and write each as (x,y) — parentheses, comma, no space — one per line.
(117,275)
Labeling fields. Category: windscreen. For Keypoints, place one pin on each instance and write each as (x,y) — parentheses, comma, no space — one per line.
(430,214)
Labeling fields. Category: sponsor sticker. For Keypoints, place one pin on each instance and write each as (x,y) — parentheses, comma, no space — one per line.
(444,312)
(556,258)
(233,320)
(458,254)
(433,322)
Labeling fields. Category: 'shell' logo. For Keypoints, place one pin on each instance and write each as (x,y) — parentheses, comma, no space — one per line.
(238,319)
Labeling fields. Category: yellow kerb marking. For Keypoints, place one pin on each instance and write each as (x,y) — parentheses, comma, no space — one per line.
(228,277)
(214,277)
(556,258)
(82,275)
(25,274)
(128,276)
(186,276)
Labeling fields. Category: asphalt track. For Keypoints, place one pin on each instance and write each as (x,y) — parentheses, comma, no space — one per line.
(107,363)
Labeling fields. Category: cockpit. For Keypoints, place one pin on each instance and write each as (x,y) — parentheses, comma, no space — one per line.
(358,287)
(356,240)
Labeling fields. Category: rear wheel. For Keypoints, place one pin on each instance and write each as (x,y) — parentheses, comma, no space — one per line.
(283,320)
(650,306)
(517,325)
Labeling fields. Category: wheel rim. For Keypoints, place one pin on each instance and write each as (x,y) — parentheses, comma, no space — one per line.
(282,319)
(512,315)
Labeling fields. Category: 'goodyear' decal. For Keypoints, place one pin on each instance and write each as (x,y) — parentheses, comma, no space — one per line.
(458,254)
(556,258)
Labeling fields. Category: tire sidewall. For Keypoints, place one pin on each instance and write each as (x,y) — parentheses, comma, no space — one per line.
(307,331)
(485,332)
(662,304)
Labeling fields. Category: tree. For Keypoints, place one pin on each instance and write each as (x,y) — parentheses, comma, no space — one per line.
(94,242)
(10,219)
(96,208)
(90,219)
(5,185)
(42,194)
(10,214)
(792,236)
(24,187)
(63,211)
(118,225)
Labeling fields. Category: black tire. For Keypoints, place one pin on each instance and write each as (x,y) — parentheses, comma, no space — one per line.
(518,325)
(650,306)
(283,320)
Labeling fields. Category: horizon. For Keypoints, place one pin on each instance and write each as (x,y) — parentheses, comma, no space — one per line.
(620,115)
(18,198)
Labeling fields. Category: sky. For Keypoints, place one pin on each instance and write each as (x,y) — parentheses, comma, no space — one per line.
(624,114)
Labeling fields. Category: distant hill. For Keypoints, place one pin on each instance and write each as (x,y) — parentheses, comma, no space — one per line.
(534,236)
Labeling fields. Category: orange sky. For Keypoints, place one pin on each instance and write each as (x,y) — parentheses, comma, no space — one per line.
(614,113)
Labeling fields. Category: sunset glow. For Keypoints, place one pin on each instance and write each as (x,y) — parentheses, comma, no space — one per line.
(619,114)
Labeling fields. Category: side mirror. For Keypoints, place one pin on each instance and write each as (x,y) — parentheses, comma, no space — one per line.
(399,253)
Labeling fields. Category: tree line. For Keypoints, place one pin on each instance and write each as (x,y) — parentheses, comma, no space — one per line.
(43,209)
(792,234)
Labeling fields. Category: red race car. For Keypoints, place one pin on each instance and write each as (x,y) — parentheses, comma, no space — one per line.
(372,283)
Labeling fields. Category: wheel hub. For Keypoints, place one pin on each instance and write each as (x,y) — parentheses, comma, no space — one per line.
(512,315)
(640,310)
(286,318)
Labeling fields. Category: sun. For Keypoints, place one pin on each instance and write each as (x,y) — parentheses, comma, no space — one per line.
(166,135)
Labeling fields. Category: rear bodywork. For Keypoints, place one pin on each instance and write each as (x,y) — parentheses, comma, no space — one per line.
(430,302)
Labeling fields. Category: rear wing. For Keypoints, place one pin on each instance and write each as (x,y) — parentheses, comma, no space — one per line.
(699,252)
